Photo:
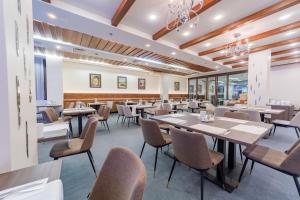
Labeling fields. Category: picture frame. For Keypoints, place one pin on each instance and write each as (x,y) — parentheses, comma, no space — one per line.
(95,80)
(176,85)
(122,82)
(141,84)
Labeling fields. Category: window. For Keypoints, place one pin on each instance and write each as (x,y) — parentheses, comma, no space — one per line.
(211,88)
(202,88)
(238,86)
(40,78)
(192,88)
(222,89)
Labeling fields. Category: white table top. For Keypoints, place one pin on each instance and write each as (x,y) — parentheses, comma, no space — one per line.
(75,111)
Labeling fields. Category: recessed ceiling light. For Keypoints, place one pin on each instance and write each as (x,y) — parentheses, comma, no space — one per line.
(152,17)
(173,53)
(293,44)
(207,44)
(222,52)
(58,47)
(186,33)
(284,17)
(250,44)
(296,52)
(217,67)
(218,17)
(242,62)
(148,45)
(290,33)
(51,16)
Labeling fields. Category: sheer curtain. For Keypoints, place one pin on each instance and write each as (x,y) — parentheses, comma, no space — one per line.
(40,79)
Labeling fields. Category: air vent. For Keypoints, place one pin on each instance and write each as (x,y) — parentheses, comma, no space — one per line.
(76,50)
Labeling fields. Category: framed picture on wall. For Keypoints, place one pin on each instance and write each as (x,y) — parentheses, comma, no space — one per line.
(122,82)
(176,86)
(95,80)
(141,84)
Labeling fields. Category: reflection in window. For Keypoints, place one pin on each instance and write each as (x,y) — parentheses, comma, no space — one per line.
(211,89)
(222,89)
(202,88)
(238,87)
(192,88)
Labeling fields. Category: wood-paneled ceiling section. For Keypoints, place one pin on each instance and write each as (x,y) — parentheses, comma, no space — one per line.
(77,56)
(89,41)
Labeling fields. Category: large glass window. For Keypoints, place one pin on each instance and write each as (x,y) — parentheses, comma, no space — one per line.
(192,88)
(222,89)
(40,78)
(238,87)
(211,89)
(202,88)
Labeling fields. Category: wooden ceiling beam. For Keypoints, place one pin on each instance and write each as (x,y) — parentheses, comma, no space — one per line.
(121,11)
(260,36)
(248,19)
(197,9)
(47,1)
(285,58)
(290,63)
(235,61)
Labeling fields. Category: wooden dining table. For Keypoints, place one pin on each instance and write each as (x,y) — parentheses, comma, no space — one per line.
(141,109)
(79,113)
(228,132)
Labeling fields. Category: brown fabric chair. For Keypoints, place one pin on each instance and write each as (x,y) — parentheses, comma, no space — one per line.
(154,137)
(285,162)
(294,123)
(123,177)
(191,149)
(50,116)
(162,126)
(102,116)
(78,145)
(238,115)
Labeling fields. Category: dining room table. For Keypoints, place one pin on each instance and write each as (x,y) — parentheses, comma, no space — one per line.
(228,132)
(96,105)
(140,109)
(79,113)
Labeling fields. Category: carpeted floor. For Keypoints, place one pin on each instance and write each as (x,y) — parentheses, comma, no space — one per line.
(264,183)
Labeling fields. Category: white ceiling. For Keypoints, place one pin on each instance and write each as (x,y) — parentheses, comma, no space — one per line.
(136,29)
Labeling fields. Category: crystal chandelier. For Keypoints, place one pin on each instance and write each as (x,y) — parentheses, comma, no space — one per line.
(181,11)
(238,48)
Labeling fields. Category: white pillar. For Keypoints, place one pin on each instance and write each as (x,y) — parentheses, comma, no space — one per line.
(164,86)
(259,78)
(18,143)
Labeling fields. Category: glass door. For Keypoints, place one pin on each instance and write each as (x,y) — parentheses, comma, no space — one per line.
(201,88)
(212,90)
(222,89)
(192,88)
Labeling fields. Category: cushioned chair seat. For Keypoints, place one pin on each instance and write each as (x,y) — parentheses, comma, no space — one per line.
(167,138)
(65,148)
(66,118)
(164,126)
(269,157)
(281,122)
(216,157)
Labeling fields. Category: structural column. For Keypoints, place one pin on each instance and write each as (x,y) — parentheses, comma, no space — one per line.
(164,86)
(259,78)
(17,85)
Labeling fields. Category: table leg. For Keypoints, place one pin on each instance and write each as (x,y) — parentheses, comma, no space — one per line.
(262,117)
(79,124)
(221,149)
(142,112)
(231,155)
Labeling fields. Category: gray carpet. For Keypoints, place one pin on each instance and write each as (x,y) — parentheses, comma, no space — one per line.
(264,183)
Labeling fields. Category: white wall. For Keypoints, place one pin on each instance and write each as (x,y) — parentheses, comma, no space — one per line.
(76,79)
(12,66)
(285,82)
(54,79)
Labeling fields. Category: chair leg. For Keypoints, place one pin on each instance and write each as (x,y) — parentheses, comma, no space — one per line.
(241,154)
(142,149)
(107,126)
(128,121)
(70,127)
(297,184)
(173,167)
(55,158)
(274,129)
(202,185)
(215,143)
(297,132)
(243,169)
(219,168)
(252,165)
(155,162)
(89,153)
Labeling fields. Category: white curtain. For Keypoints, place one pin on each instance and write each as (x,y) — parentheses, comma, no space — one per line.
(40,78)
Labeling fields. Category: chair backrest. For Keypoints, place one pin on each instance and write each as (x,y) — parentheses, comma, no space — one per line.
(120,109)
(191,149)
(161,112)
(50,115)
(71,105)
(237,115)
(88,133)
(127,111)
(291,163)
(296,120)
(193,104)
(106,113)
(220,111)
(109,104)
(166,106)
(123,176)
(100,110)
(151,132)
(253,114)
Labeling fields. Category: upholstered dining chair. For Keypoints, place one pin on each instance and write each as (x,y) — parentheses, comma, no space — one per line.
(286,162)
(120,112)
(162,126)
(193,106)
(253,114)
(238,115)
(102,116)
(220,111)
(78,145)
(154,137)
(191,149)
(294,123)
(50,116)
(123,177)
(167,106)
(71,105)
(129,115)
